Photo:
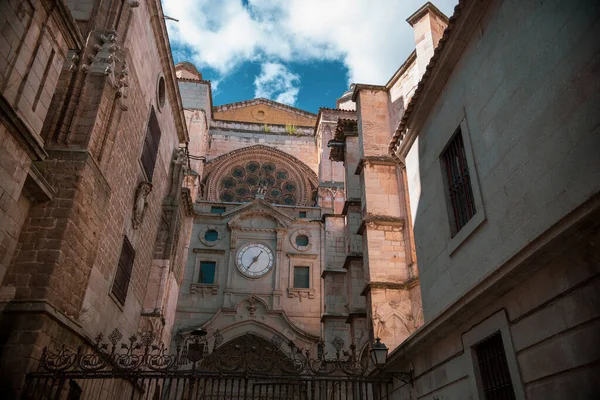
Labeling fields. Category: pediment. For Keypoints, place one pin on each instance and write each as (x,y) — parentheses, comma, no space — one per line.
(257,214)
(264,111)
(252,314)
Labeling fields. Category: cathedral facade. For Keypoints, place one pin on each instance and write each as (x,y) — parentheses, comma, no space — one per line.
(451,213)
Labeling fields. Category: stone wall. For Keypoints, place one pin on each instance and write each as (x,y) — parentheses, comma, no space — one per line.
(301,147)
(532,138)
(83,189)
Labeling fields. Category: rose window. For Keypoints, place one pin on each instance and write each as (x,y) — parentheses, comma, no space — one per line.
(243,182)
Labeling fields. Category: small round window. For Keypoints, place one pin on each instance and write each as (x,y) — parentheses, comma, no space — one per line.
(161,92)
(302,240)
(211,235)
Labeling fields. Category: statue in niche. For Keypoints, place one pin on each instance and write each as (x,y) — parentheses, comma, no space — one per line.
(261,187)
(140,205)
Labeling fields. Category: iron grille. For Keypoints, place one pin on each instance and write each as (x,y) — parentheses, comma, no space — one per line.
(458,183)
(493,369)
(123,275)
(151,143)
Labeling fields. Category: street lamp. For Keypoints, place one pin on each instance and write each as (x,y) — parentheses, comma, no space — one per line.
(379,352)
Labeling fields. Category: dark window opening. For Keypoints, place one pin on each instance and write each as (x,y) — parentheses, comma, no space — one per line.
(211,235)
(124,268)
(207,272)
(151,143)
(493,369)
(458,183)
(302,214)
(217,209)
(302,240)
(301,277)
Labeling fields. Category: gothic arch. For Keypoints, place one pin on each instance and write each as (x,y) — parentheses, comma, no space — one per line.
(238,175)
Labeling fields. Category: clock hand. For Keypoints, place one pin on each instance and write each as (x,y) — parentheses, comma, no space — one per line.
(254,259)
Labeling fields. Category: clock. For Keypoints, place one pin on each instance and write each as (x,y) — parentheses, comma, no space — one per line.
(254,260)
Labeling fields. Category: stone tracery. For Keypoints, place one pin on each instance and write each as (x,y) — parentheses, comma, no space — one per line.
(243,174)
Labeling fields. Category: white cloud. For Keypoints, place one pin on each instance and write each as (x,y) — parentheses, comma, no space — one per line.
(277,83)
(371,37)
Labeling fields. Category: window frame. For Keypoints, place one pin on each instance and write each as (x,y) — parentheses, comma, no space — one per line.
(454,203)
(214,264)
(302,260)
(206,255)
(149,135)
(456,240)
(497,322)
(126,245)
(296,267)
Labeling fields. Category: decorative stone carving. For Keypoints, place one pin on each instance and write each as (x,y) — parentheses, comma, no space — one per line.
(203,289)
(238,176)
(140,205)
(301,293)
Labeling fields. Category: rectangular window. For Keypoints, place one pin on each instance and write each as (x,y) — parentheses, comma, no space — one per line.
(458,183)
(207,272)
(151,143)
(302,214)
(301,277)
(493,369)
(124,268)
(217,209)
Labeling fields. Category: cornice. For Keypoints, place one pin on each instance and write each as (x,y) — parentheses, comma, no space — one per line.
(348,203)
(302,255)
(157,20)
(261,100)
(389,285)
(352,257)
(371,220)
(354,315)
(361,86)
(208,251)
(327,316)
(374,160)
(332,271)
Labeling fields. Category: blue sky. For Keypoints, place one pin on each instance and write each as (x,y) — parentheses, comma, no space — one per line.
(304,53)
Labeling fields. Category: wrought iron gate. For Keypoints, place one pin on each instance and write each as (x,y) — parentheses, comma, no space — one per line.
(248,367)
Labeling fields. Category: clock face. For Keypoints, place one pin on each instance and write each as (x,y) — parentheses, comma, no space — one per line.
(254,260)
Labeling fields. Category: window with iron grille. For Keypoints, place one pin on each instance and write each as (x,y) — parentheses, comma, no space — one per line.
(493,369)
(123,275)
(458,183)
(151,143)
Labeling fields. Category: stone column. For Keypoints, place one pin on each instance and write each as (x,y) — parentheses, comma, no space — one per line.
(382,219)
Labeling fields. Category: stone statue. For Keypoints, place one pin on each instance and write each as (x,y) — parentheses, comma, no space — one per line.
(140,205)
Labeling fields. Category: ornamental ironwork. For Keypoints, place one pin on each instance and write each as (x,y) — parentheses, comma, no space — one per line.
(203,367)
(248,353)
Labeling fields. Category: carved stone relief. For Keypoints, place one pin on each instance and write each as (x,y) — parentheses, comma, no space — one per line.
(140,205)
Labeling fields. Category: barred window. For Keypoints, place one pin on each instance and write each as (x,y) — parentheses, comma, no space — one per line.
(493,369)
(458,183)
(151,143)
(124,268)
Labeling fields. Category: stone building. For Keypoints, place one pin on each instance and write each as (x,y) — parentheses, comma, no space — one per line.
(94,217)
(501,150)
(452,212)
(340,267)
